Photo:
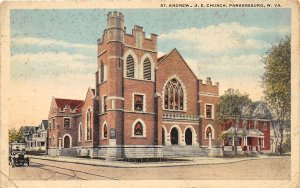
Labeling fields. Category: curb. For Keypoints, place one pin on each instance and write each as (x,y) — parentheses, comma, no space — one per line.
(151,165)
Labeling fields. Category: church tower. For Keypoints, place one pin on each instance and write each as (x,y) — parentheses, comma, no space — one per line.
(109,83)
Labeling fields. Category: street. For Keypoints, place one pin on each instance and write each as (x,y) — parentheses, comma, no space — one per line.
(260,169)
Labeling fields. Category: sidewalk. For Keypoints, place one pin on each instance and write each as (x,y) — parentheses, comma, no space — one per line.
(190,161)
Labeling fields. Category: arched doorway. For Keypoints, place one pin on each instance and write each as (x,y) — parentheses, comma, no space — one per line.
(188,137)
(163,137)
(67,142)
(174,136)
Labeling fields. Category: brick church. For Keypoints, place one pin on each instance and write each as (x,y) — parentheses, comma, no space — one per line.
(142,105)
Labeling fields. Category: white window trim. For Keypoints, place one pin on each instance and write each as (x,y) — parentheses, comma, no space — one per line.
(102,134)
(144,57)
(166,135)
(212,110)
(105,73)
(144,129)
(63,141)
(91,110)
(144,102)
(70,122)
(135,59)
(79,135)
(102,110)
(212,132)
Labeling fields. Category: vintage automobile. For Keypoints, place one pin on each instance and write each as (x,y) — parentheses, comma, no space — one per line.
(17,154)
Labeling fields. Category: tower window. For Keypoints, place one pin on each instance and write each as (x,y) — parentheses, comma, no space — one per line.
(138,102)
(66,122)
(147,69)
(104,104)
(102,72)
(209,111)
(130,67)
(173,96)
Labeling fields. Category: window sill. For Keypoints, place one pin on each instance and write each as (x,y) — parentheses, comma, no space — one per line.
(175,110)
(138,136)
(208,138)
(104,138)
(137,79)
(139,111)
(88,141)
(209,118)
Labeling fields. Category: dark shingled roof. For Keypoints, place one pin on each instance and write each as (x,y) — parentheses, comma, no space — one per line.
(74,104)
(45,122)
(93,90)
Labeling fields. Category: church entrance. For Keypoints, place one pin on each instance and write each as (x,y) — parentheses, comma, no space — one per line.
(174,136)
(67,142)
(188,136)
(163,137)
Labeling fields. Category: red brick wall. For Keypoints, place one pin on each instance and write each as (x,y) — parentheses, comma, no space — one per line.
(88,104)
(59,131)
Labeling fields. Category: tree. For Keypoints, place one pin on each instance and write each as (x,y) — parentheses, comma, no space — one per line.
(234,106)
(276,82)
(16,136)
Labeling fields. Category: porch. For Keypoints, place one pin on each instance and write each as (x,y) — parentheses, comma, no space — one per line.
(245,140)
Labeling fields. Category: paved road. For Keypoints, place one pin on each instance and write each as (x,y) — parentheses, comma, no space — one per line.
(261,169)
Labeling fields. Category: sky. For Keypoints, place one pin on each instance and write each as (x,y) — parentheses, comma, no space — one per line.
(54,52)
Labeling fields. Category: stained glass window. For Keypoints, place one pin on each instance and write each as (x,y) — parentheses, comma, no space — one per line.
(138,102)
(105,131)
(173,95)
(138,129)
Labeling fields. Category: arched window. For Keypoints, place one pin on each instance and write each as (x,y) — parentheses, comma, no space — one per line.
(138,129)
(88,125)
(130,67)
(209,130)
(105,131)
(102,72)
(173,96)
(79,132)
(147,69)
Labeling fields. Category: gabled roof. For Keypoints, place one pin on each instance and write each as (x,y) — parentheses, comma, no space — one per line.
(261,111)
(162,58)
(93,90)
(74,104)
(45,124)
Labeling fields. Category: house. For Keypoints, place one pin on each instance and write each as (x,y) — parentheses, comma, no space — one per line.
(36,139)
(249,134)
